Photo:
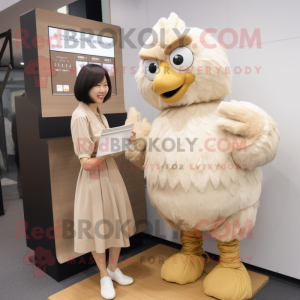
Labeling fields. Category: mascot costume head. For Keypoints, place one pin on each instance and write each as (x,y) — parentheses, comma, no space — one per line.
(206,153)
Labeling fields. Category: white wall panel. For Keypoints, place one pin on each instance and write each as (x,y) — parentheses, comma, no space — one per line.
(131,14)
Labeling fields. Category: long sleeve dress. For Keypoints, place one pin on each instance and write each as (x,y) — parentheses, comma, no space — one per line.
(103,216)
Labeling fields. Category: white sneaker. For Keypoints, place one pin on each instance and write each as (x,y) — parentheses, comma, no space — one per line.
(119,277)
(107,288)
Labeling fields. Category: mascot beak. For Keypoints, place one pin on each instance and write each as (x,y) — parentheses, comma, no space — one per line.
(170,85)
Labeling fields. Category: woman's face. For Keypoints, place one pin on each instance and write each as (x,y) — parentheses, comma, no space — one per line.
(98,92)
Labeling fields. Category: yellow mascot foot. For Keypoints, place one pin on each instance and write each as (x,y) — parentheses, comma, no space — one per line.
(229,280)
(186,266)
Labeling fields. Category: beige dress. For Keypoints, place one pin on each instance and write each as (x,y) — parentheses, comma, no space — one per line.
(103,216)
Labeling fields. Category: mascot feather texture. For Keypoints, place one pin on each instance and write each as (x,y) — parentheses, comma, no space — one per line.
(205,153)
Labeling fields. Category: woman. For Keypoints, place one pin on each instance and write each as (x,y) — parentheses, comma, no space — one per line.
(102,205)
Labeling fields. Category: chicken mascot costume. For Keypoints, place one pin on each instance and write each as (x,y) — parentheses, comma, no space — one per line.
(201,155)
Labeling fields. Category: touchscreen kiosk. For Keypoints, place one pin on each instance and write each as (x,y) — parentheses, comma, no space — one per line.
(55,48)
(68,55)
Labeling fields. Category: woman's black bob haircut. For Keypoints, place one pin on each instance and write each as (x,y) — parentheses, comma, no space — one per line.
(89,76)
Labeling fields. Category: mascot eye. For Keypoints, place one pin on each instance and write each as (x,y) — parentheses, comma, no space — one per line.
(181,58)
(150,68)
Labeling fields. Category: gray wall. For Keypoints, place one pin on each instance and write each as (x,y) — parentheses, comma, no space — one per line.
(15,82)
(275,242)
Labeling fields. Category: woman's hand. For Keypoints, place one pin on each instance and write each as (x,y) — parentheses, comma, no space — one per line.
(89,163)
(132,139)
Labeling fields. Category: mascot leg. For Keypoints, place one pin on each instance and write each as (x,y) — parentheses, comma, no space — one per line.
(187,265)
(229,280)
